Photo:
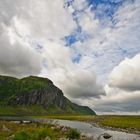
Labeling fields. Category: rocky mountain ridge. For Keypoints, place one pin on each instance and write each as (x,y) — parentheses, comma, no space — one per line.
(33,92)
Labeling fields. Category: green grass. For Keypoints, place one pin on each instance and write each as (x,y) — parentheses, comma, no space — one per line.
(125,122)
(73,134)
(11,87)
(31,131)
(38,134)
(122,122)
(70,117)
(22,110)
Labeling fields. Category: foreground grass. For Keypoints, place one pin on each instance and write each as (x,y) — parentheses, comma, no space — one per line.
(123,122)
(71,117)
(10,130)
(26,131)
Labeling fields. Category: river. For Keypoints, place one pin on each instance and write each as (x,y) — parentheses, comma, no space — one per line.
(85,128)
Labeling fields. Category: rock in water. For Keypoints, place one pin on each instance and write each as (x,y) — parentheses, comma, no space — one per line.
(106,136)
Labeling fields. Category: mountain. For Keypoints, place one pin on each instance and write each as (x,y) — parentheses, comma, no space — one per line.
(35,96)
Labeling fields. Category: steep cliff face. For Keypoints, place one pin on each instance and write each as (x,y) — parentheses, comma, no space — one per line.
(45,97)
(36,91)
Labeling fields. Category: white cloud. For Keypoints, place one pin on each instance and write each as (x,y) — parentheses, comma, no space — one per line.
(82,84)
(80,4)
(119,101)
(70,77)
(89,24)
(123,89)
(126,74)
(44,19)
(17,59)
(23,24)
(110,43)
(116,101)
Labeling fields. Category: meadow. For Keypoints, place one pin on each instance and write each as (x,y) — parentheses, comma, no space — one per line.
(126,122)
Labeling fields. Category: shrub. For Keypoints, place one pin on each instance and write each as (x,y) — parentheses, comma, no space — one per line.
(22,136)
(73,134)
(42,133)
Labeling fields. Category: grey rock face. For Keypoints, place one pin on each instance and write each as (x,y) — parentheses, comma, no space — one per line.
(44,97)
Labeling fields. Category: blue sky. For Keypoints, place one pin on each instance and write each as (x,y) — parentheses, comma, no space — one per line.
(105,12)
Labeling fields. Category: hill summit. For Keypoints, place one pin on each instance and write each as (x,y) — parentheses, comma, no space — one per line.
(35,96)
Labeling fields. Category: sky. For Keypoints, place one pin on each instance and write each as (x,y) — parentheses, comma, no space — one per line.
(89,48)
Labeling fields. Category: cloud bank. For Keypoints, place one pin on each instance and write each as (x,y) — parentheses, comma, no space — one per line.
(16,58)
(123,92)
(126,74)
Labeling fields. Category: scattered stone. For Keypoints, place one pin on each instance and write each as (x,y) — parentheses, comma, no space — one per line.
(53,128)
(11,137)
(106,136)
(17,122)
(83,137)
(26,122)
(4,128)
(58,127)
(64,129)
(63,138)
(47,138)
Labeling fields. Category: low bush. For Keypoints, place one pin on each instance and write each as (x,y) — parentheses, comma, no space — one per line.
(73,134)
(21,136)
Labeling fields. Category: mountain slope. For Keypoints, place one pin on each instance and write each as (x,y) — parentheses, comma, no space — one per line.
(34,96)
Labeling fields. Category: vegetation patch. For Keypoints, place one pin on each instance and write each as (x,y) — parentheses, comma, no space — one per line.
(73,134)
(32,131)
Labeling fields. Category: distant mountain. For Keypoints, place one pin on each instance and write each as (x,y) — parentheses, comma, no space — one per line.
(35,96)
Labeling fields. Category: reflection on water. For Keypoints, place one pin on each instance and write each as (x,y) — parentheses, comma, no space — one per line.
(96,132)
(84,128)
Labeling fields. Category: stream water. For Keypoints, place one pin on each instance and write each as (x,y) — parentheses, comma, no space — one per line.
(85,128)
(96,132)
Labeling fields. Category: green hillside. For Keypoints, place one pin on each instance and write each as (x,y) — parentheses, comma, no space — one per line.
(35,96)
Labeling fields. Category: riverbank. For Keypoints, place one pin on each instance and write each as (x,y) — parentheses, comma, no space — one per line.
(36,125)
(129,124)
(27,130)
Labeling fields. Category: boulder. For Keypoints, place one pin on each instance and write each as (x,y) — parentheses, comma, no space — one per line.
(106,136)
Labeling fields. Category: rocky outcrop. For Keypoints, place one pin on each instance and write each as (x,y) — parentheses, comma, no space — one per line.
(45,97)
(37,91)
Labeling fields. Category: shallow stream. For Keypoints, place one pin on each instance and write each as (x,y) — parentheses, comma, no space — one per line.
(85,128)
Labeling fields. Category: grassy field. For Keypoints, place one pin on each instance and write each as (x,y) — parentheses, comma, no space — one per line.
(124,122)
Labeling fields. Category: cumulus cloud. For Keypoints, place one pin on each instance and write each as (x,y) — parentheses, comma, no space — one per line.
(23,25)
(119,101)
(82,84)
(43,18)
(111,42)
(89,24)
(17,59)
(70,77)
(126,74)
(123,89)
(116,101)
